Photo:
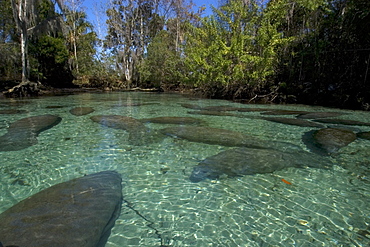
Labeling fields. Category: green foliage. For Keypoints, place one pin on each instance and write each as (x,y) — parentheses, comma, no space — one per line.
(296,51)
(7,25)
(51,60)
(86,53)
(9,52)
(236,49)
(45,9)
(81,43)
(161,65)
(52,50)
(329,63)
(131,27)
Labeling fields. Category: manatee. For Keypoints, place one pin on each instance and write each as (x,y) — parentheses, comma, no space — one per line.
(15,103)
(239,109)
(221,108)
(216,108)
(294,121)
(221,137)
(139,134)
(172,120)
(54,106)
(249,161)
(23,133)
(119,122)
(192,106)
(314,115)
(213,113)
(283,112)
(80,111)
(132,104)
(212,136)
(76,213)
(253,109)
(12,111)
(342,121)
(364,135)
(329,140)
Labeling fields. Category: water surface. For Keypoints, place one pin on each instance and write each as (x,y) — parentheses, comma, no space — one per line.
(162,207)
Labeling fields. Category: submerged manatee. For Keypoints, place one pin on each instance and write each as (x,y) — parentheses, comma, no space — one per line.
(293,121)
(364,135)
(213,136)
(221,108)
(248,161)
(76,213)
(283,112)
(213,113)
(172,120)
(342,121)
(314,115)
(192,106)
(253,109)
(10,111)
(80,111)
(222,137)
(23,133)
(139,134)
(119,122)
(329,140)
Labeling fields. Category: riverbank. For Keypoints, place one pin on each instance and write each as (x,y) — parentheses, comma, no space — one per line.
(36,89)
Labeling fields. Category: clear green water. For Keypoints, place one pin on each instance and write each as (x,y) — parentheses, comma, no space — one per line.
(320,208)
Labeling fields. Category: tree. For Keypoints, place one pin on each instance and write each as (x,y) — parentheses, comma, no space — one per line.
(131,26)
(51,58)
(9,54)
(31,19)
(234,52)
(327,64)
(75,28)
(81,41)
(162,64)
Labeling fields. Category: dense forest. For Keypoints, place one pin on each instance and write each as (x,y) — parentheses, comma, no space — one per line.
(281,51)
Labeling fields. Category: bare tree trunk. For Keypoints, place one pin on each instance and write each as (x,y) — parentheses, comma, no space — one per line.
(367,69)
(24,56)
(19,13)
(75,54)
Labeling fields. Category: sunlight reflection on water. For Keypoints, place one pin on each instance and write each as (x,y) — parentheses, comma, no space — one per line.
(163,208)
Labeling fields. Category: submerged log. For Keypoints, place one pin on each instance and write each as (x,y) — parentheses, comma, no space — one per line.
(76,213)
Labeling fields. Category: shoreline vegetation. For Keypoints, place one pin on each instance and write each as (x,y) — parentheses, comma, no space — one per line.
(275,51)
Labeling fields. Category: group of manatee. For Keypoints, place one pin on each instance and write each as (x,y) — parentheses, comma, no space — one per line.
(320,140)
(252,155)
(81,212)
